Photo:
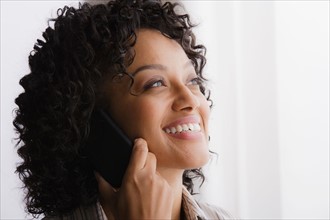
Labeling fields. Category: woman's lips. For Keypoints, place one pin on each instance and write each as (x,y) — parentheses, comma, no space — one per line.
(186,135)
(189,127)
(184,128)
(184,120)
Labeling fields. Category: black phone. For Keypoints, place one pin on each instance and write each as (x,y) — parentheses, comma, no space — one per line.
(108,148)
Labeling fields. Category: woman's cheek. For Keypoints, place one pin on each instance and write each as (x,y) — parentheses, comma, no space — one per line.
(141,118)
(205,111)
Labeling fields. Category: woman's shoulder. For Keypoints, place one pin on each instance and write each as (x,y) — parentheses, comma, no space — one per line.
(214,212)
(196,209)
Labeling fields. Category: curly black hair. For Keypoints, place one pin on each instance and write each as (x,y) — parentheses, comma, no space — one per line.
(53,115)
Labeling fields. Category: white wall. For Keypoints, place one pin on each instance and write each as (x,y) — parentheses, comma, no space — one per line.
(303,107)
(268,62)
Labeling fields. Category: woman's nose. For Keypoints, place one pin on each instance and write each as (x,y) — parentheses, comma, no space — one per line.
(185,99)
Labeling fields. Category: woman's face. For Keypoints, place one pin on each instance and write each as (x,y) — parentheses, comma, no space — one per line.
(169,112)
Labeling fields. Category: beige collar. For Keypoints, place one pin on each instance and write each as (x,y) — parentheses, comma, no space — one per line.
(191,209)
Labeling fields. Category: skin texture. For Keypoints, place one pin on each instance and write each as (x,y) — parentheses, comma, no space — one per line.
(165,93)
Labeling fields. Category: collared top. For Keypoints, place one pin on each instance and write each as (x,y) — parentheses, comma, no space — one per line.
(192,209)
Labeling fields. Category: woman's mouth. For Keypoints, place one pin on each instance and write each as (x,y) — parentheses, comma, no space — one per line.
(185,128)
(189,127)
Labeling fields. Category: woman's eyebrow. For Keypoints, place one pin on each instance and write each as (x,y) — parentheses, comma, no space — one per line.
(159,67)
(149,67)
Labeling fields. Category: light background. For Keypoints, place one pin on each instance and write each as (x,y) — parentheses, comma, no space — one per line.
(268,64)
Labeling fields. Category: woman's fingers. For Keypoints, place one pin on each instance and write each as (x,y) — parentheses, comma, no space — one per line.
(138,157)
(151,163)
(144,193)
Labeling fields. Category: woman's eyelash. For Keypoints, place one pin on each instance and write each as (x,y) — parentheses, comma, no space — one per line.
(160,82)
(154,84)
(196,81)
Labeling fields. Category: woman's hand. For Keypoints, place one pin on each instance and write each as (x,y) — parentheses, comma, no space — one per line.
(144,193)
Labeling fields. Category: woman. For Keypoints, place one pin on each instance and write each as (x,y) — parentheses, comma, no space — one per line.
(138,61)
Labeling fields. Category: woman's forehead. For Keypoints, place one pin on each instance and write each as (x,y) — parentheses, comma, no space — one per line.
(153,48)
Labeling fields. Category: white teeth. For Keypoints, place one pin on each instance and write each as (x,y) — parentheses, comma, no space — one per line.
(197,127)
(190,127)
(179,128)
(173,130)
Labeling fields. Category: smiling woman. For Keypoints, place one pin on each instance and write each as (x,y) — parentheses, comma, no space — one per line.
(168,98)
(137,62)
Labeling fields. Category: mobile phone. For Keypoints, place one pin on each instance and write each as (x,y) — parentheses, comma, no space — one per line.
(108,148)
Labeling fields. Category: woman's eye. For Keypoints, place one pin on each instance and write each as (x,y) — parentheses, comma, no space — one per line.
(195,81)
(155,84)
